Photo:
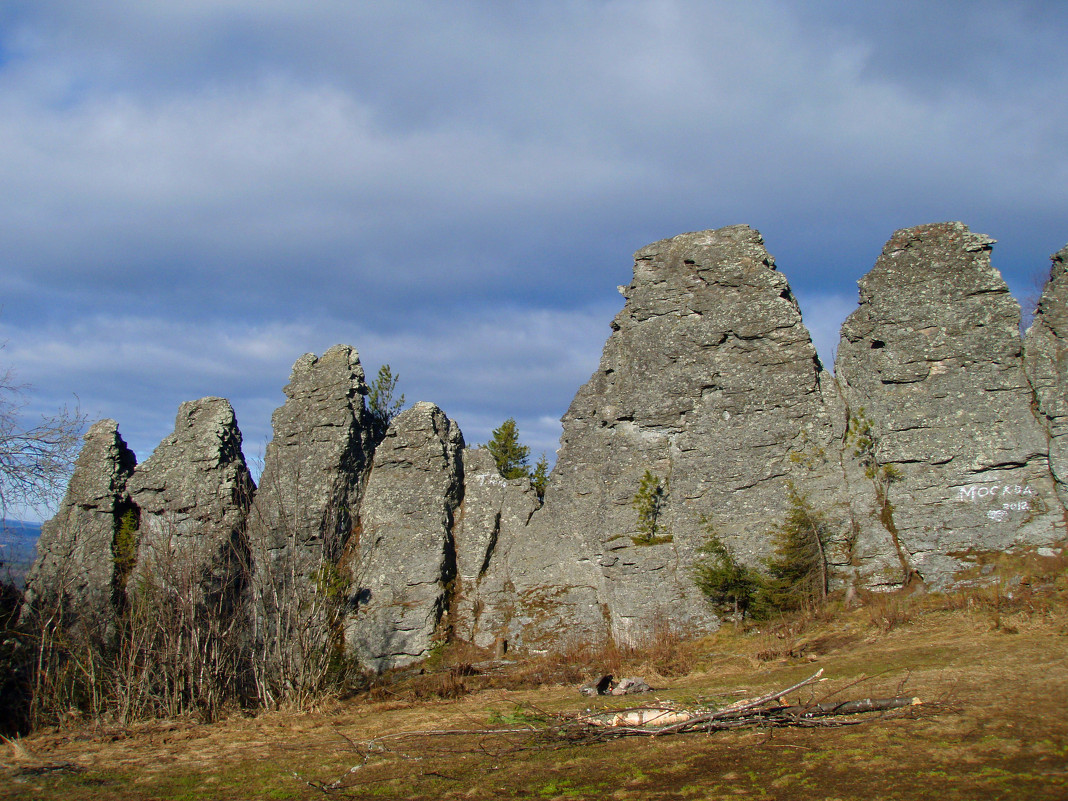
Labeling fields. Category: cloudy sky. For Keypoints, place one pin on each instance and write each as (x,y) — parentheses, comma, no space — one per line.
(194,194)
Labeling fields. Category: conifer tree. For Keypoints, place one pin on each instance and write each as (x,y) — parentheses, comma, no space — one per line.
(380,402)
(539,479)
(511,456)
(797,572)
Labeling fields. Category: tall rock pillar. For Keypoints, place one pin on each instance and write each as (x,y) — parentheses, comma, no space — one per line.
(304,515)
(193,494)
(407,559)
(710,382)
(76,560)
(931,367)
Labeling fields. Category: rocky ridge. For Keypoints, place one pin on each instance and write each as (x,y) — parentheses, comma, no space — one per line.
(942,435)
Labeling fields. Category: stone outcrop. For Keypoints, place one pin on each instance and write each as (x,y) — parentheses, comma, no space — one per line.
(75,557)
(308,500)
(1046,355)
(193,494)
(931,362)
(407,559)
(710,382)
(490,524)
(941,437)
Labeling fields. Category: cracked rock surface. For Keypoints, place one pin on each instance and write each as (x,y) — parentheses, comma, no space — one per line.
(406,558)
(75,561)
(933,357)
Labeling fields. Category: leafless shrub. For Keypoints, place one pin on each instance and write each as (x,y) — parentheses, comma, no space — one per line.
(35,461)
(299,593)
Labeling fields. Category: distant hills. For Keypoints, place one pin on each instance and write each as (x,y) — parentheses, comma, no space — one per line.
(18,549)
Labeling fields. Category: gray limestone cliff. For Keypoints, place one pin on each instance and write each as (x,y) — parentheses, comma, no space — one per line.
(941,436)
(402,577)
(75,564)
(1046,357)
(931,367)
(490,525)
(193,494)
(307,504)
(711,383)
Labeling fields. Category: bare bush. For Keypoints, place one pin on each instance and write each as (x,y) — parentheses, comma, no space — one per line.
(173,648)
(299,595)
(35,461)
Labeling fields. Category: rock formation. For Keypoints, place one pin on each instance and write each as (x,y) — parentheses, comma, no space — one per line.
(75,558)
(407,561)
(710,382)
(489,526)
(940,438)
(1046,354)
(193,494)
(931,363)
(307,504)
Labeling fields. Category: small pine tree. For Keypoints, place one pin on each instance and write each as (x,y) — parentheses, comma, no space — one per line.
(727,583)
(539,479)
(124,547)
(380,403)
(511,456)
(797,573)
(648,501)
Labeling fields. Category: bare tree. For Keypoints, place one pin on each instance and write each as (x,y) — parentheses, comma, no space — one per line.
(35,461)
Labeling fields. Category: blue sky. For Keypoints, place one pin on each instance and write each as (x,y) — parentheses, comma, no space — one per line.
(194,194)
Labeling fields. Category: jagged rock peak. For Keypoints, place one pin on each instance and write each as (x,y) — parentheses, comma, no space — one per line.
(74,555)
(205,442)
(339,365)
(407,556)
(316,463)
(931,359)
(193,494)
(708,365)
(1046,350)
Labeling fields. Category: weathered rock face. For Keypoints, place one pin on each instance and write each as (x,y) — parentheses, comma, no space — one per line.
(491,520)
(76,562)
(932,361)
(193,494)
(710,382)
(308,500)
(941,437)
(407,558)
(1046,355)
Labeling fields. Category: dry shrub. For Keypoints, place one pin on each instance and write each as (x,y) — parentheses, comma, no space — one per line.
(668,652)
(887,611)
(448,684)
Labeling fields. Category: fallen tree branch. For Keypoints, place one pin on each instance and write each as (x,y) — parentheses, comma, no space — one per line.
(548,731)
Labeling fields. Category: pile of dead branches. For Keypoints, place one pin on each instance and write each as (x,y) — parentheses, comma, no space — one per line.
(528,728)
(768,710)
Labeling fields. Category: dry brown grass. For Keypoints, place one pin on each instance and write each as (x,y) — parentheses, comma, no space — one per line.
(989,663)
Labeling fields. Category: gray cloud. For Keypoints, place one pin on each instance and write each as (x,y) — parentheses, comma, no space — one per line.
(197,193)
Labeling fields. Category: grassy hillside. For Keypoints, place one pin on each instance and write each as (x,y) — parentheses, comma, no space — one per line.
(989,664)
